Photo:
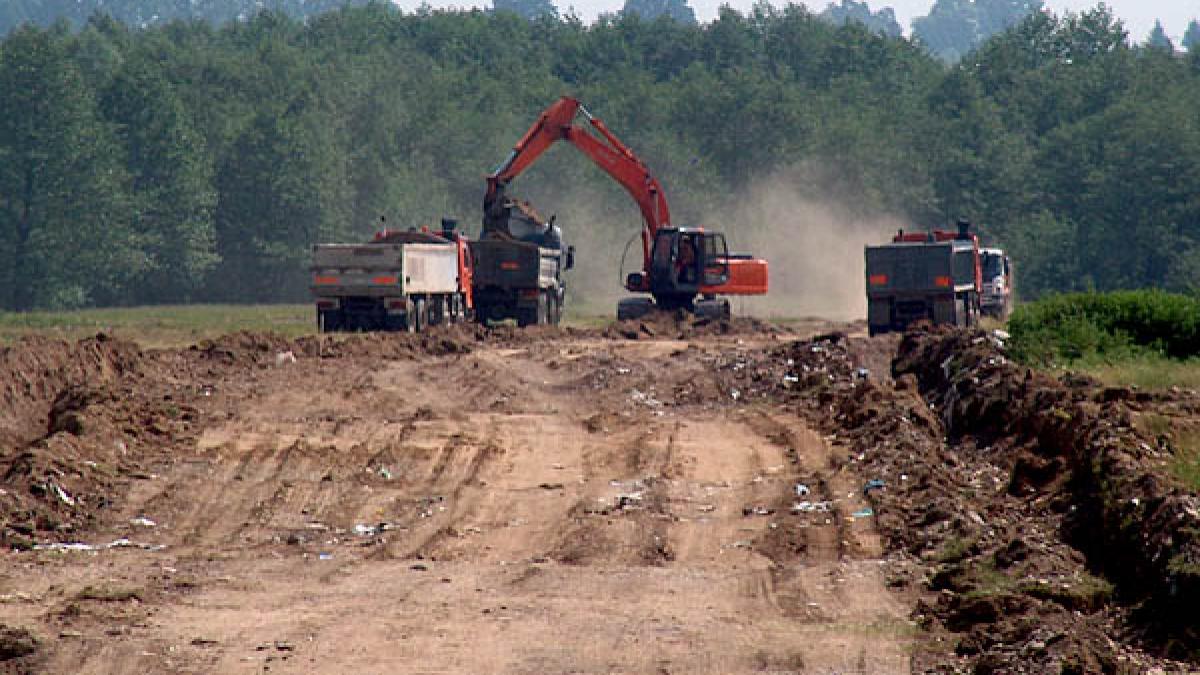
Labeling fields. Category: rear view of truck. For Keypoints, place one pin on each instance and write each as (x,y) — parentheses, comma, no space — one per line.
(934,276)
(519,264)
(399,281)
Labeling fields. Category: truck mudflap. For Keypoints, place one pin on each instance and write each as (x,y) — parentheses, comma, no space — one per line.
(885,314)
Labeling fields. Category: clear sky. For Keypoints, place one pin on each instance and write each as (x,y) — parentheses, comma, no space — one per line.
(1138,15)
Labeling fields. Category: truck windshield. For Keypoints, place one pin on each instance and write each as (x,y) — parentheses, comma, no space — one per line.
(993,266)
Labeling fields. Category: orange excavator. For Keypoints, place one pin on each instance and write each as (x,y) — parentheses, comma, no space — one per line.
(682,267)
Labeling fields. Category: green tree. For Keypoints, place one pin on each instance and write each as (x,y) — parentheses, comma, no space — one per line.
(883,21)
(65,235)
(172,181)
(281,189)
(1158,38)
(529,9)
(955,27)
(1191,37)
(649,10)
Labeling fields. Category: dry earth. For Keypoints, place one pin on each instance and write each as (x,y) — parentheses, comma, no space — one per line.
(657,497)
(541,503)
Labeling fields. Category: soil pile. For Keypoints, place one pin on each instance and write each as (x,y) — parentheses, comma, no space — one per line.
(1039,523)
(682,325)
(76,424)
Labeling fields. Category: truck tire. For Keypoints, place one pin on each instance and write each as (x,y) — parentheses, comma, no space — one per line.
(712,308)
(329,321)
(414,318)
(543,308)
(633,308)
(436,311)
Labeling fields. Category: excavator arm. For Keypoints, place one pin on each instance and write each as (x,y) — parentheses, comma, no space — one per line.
(558,123)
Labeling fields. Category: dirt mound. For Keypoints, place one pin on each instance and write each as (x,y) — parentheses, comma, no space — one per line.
(1025,505)
(76,423)
(1074,446)
(34,371)
(681,325)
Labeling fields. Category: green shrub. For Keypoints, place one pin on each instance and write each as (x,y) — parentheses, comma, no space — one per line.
(1108,326)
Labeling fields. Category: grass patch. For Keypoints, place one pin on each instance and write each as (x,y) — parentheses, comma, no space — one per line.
(1085,593)
(1147,371)
(1184,441)
(160,326)
(956,549)
(1185,462)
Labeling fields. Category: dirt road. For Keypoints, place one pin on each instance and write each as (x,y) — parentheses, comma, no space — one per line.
(562,504)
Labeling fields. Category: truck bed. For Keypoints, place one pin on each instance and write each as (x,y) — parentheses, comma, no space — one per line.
(378,270)
(506,263)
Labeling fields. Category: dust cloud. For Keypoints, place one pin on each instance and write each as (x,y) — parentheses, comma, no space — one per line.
(814,247)
(598,220)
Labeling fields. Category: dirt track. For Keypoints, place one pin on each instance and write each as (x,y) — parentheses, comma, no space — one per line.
(646,498)
(555,504)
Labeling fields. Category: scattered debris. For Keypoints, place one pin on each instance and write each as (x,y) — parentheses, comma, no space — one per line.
(77,546)
(810,507)
(62,494)
(873,484)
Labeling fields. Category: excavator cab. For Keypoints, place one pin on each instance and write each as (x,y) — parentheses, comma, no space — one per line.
(683,260)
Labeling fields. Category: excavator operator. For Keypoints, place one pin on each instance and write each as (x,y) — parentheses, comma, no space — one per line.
(685,264)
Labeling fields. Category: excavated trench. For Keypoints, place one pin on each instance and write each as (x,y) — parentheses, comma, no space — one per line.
(1042,527)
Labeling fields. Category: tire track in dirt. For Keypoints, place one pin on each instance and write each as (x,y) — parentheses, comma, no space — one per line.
(543,515)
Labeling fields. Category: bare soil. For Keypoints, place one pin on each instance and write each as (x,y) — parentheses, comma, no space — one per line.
(663,496)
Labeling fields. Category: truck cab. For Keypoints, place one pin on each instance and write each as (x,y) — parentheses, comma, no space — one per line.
(997,297)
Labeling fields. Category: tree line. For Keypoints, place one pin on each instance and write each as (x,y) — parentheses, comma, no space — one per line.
(184,162)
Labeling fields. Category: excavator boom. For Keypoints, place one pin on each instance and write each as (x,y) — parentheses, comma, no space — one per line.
(678,264)
(607,152)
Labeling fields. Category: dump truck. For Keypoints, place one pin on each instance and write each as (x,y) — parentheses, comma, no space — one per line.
(997,298)
(519,264)
(400,280)
(933,275)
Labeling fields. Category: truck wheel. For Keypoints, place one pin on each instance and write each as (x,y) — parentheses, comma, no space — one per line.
(436,311)
(555,311)
(714,308)
(413,318)
(543,308)
(633,308)
(328,321)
